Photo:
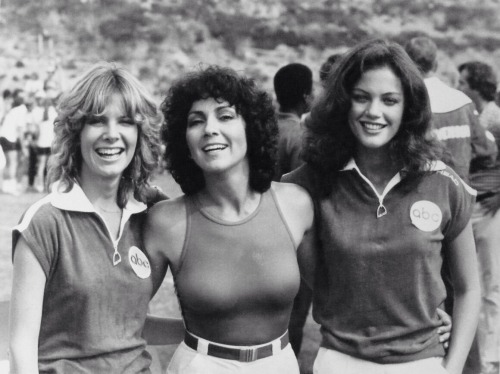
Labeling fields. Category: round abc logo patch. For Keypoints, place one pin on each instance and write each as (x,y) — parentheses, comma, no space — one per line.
(426,215)
(139,262)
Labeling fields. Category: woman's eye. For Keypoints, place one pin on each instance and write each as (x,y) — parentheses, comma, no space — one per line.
(359,98)
(226,117)
(391,101)
(194,122)
(94,121)
(127,121)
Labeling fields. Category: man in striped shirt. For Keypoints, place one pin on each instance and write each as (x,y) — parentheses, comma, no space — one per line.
(454,118)
(478,81)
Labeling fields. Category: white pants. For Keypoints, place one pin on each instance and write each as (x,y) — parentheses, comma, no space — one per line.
(329,361)
(4,367)
(188,361)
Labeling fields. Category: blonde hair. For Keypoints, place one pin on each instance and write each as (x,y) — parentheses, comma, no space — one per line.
(88,98)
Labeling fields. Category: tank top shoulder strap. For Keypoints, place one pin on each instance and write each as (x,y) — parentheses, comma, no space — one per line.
(274,198)
(191,208)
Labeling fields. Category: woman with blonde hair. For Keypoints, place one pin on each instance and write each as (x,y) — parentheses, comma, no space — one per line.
(82,279)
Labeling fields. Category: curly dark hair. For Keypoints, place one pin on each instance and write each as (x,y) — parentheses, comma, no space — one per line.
(253,104)
(88,98)
(482,78)
(330,143)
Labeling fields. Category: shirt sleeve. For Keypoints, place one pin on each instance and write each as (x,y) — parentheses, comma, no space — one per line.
(461,202)
(38,228)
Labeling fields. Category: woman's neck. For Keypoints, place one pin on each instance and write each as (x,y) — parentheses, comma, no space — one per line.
(101,193)
(229,197)
(378,166)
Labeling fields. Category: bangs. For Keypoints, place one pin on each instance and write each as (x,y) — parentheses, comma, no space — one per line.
(221,88)
(98,97)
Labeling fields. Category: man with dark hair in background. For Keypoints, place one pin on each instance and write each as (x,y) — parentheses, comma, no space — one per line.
(479,82)
(293,85)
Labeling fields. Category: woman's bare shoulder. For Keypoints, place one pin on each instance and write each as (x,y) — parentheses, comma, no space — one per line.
(166,212)
(166,225)
(292,194)
(295,203)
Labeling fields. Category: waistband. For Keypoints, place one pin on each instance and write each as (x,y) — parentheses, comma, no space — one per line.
(233,352)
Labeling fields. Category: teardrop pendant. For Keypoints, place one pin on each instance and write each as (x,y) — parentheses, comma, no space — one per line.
(381,211)
(117,258)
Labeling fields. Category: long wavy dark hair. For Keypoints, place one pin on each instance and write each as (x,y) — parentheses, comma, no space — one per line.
(89,98)
(253,104)
(330,143)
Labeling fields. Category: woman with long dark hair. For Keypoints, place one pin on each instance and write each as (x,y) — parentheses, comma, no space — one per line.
(387,211)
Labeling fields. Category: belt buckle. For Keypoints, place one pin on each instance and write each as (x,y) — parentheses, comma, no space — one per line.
(248,355)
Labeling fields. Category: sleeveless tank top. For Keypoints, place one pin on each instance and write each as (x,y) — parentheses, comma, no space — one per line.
(237,277)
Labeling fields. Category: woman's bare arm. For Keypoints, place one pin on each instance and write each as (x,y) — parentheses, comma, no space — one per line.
(25,310)
(465,278)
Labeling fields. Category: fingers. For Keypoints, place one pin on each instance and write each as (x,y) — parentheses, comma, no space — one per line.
(444,338)
(444,317)
(444,331)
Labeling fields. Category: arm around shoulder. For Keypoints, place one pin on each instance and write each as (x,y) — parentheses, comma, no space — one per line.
(298,210)
(25,310)
(163,330)
(165,229)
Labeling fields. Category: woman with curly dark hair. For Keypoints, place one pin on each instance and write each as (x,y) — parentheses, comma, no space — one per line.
(231,240)
(82,280)
(387,211)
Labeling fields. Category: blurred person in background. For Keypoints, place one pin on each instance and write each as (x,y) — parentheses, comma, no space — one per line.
(33,84)
(303,300)
(293,86)
(386,211)
(11,137)
(44,142)
(5,103)
(454,119)
(30,138)
(479,82)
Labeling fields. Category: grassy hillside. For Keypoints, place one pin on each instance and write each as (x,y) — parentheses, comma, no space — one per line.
(160,39)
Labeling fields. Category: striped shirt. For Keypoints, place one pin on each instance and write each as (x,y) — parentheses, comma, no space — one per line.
(488,180)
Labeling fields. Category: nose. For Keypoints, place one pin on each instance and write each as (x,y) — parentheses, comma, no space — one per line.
(212,126)
(112,132)
(373,109)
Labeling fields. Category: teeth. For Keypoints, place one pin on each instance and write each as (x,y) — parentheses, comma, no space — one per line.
(215,147)
(372,126)
(108,151)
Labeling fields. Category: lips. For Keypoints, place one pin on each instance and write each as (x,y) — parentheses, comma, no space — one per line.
(214,147)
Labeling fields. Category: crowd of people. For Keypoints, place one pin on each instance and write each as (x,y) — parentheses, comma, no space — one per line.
(27,114)
(357,201)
